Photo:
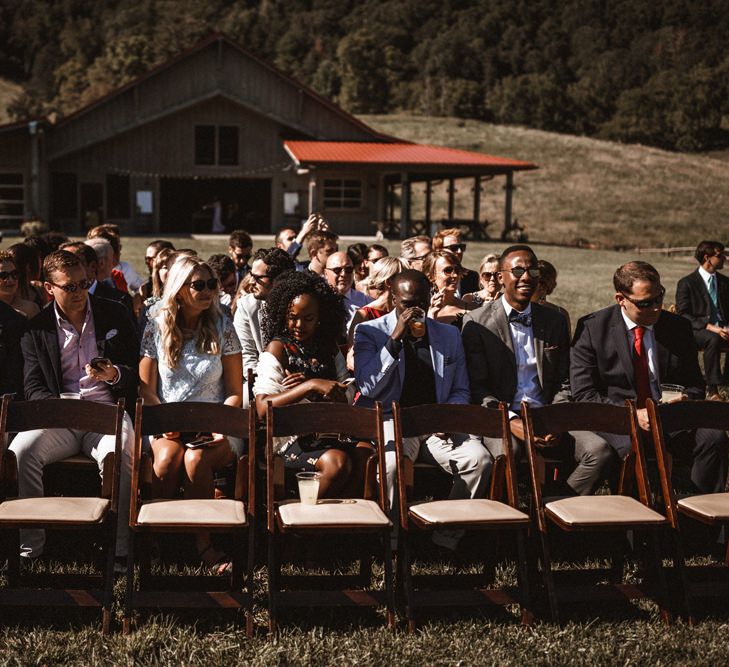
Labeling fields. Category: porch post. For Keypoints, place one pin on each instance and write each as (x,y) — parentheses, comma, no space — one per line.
(405,206)
(428,206)
(477,207)
(312,191)
(509,188)
(451,198)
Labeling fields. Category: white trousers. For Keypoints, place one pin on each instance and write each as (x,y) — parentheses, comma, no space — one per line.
(38,448)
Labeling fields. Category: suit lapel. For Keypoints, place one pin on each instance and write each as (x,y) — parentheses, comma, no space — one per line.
(538,335)
(700,286)
(50,342)
(99,330)
(390,321)
(622,344)
(436,356)
(501,326)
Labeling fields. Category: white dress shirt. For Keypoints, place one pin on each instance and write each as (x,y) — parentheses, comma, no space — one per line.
(527,379)
(649,345)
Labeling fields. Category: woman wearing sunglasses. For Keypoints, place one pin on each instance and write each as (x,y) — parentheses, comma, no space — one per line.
(488,280)
(443,270)
(190,352)
(10,287)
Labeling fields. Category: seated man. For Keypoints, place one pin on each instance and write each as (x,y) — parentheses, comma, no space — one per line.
(519,351)
(627,350)
(702,297)
(339,273)
(12,326)
(392,363)
(57,348)
(240,248)
(414,251)
(319,245)
(288,240)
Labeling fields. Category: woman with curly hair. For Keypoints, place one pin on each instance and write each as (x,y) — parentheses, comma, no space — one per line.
(190,352)
(302,322)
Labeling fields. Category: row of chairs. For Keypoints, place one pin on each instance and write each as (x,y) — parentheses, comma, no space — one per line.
(644,518)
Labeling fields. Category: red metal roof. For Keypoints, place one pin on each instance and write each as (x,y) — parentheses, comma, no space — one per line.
(422,155)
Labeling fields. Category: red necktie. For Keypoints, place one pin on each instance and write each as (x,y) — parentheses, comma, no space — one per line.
(640,368)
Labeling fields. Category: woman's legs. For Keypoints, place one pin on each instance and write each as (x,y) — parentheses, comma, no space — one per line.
(335,467)
(167,455)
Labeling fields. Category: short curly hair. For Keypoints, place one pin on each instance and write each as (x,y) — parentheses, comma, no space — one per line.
(293,284)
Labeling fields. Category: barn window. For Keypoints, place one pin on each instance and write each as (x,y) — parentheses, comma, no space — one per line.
(227,145)
(12,199)
(117,196)
(205,144)
(342,193)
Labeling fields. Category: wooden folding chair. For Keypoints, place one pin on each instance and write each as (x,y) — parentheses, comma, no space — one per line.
(97,514)
(600,513)
(712,509)
(234,516)
(476,514)
(328,516)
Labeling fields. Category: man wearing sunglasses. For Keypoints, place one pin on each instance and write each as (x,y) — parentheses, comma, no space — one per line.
(451,240)
(702,297)
(519,351)
(626,351)
(339,274)
(57,351)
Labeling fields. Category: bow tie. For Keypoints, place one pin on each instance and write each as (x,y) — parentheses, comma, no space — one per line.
(525,319)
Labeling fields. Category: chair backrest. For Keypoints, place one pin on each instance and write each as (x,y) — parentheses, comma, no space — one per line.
(682,415)
(596,417)
(329,418)
(90,416)
(423,420)
(194,417)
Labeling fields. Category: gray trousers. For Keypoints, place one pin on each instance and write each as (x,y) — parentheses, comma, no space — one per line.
(462,456)
(36,449)
(593,456)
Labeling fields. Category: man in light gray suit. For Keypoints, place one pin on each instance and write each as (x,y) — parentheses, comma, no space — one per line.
(519,351)
(391,363)
(268,264)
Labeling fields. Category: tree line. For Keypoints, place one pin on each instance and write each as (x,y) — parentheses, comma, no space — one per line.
(648,71)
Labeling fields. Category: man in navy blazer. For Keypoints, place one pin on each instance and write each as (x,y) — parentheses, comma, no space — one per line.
(392,364)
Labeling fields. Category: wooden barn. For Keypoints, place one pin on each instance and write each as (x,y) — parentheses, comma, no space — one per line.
(218,128)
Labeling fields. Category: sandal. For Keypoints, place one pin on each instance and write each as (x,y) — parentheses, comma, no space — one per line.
(220,566)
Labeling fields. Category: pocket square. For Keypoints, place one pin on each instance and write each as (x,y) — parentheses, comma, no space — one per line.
(110,334)
(551,348)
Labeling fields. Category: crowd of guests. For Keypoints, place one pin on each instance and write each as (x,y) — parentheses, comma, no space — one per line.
(311,321)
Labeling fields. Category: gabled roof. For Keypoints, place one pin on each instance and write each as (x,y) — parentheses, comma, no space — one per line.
(322,153)
(203,44)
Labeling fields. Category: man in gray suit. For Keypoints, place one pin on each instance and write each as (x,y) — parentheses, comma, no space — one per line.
(268,264)
(518,351)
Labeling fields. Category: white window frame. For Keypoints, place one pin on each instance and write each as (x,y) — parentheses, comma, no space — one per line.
(342,184)
(18,218)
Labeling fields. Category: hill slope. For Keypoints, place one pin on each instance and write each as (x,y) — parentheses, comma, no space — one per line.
(8,91)
(604,192)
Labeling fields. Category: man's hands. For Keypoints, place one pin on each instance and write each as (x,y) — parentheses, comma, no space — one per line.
(104,372)
(720,331)
(642,415)
(516,426)
(403,322)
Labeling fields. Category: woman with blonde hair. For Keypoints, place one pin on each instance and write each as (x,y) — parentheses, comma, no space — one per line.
(190,352)
(443,269)
(488,281)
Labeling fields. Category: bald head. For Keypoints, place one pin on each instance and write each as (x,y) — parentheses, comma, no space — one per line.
(339,272)
(410,288)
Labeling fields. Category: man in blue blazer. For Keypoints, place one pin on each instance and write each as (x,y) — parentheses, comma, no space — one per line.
(393,364)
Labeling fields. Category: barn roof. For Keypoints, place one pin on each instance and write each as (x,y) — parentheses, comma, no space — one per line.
(400,154)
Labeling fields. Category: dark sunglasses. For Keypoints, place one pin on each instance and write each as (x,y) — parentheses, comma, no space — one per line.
(72,287)
(9,275)
(200,285)
(487,275)
(348,270)
(519,271)
(290,238)
(455,247)
(648,303)
(419,259)
(262,279)
(450,270)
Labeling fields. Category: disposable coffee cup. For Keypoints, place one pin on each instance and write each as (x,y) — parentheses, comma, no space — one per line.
(71,394)
(671,392)
(308,486)
(417,325)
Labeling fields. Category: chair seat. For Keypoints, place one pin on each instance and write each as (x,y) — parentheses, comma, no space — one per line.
(333,512)
(712,506)
(602,511)
(477,510)
(193,512)
(54,509)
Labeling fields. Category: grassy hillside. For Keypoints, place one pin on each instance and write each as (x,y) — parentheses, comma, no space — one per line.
(8,90)
(603,192)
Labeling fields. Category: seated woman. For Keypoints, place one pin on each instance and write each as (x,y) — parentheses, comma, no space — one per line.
(29,264)
(10,287)
(443,270)
(190,352)
(490,286)
(546,285)
(301,322)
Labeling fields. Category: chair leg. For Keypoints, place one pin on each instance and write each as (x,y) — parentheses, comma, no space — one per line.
(617,561)
(13,552)
(522,569)
(109,580)
(389,579)
(406,542)
(655,562)
(129,595)
(549,578)
(249,583)
(273,583)
(679,564)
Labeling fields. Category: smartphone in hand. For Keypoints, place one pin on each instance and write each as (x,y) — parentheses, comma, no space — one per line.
(100,363)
